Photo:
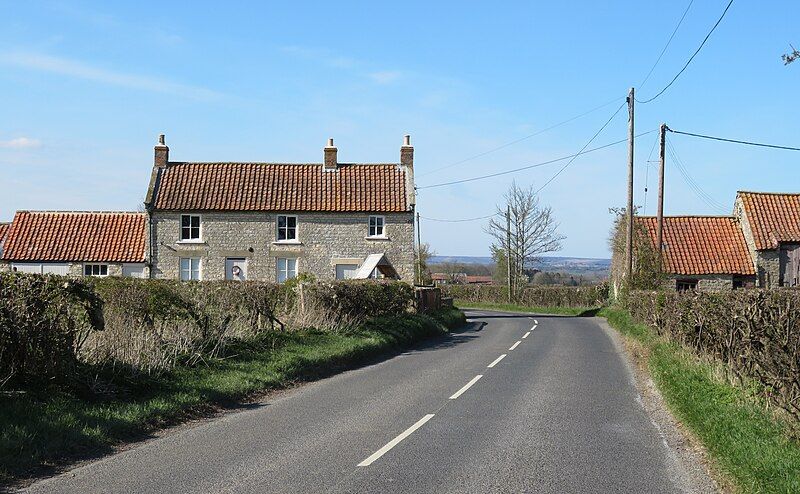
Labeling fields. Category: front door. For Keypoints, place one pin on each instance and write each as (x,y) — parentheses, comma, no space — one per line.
(236,268)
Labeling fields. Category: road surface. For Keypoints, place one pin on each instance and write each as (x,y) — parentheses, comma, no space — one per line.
(514,404)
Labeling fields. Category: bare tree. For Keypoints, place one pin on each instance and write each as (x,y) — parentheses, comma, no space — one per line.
(532,231)
(791,56)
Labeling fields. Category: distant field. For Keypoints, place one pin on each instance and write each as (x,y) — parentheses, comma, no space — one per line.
(573,265)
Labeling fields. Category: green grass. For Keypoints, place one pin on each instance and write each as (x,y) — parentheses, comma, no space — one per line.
(46,429)
(750,448)
(563,311)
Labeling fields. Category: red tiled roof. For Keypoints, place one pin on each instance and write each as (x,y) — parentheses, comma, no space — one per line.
(773,217)
(479,279)
(76,236)
(695,245)
(281,187)
(3,231)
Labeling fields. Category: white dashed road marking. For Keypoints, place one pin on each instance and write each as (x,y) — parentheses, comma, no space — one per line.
(515,345)
(466,387)
(496,361)
(394,442)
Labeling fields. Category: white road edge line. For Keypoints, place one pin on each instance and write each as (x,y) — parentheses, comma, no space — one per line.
(526,335)
(534,327)
(535,321)
(515,345)
(394,442)
(466,387)
(498,359)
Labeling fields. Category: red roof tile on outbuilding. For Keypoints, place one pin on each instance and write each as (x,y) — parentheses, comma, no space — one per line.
(76,236)
(698,245)
(773,217)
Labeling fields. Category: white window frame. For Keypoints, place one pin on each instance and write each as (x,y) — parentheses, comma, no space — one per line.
(190,240)
(190,270)
(285,268)
(99,268)
(278,228)
(336,270)
(370,226)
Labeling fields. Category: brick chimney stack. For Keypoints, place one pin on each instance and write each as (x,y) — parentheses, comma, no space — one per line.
(161,153)
(407,162)
(331,162)
(407,152)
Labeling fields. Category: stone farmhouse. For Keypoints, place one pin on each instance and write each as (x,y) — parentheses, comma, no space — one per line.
(235,221)
(757,246)
(75,243)
(271,221)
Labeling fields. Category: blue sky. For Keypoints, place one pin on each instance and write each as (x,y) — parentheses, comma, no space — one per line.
(86,87)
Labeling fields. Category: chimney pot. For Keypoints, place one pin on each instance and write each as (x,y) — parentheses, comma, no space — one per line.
(161,141)
(330,142)
(407,140)
(407,152)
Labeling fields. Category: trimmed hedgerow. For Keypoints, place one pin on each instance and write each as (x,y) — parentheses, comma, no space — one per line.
(550,296)
(755,333)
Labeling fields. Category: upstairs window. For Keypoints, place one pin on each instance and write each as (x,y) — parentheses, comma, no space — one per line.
(190,227)
(376,226)
(95,269)
(287,228)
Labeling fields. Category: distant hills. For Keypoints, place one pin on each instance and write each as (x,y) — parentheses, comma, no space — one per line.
(572,265)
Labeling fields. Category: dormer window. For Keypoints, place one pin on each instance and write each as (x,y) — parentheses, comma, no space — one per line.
(190,228)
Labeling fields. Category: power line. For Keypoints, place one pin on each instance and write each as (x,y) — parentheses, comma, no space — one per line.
(667,45)
(535,165)
(460,220)
(582,149)
(520,139)
(690,58)
(692,184)
(774,146)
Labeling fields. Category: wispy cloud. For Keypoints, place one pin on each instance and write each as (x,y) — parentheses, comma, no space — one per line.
(327,58)
(20,143)
(385,76)
(81,70)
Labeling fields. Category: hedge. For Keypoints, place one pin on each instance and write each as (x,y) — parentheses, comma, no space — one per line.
(755,333)
(49,324)
(537,296)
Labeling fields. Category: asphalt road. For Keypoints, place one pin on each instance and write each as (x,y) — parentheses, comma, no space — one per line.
(558,413)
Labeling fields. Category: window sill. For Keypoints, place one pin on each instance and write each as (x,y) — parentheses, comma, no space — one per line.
(287,242)
(377,237)
(191,242)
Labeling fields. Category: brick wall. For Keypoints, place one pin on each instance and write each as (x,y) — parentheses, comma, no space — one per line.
(325,239)
(766,262)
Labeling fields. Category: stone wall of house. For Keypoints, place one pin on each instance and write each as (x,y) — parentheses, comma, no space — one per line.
(765,262)
(324,240)
(705,283)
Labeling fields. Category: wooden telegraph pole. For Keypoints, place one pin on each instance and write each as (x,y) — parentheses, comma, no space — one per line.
(419,254)
(629,239)
(661,159)
(508,250)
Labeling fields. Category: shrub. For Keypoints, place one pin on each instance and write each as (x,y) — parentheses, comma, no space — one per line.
(755,333)
(550,296)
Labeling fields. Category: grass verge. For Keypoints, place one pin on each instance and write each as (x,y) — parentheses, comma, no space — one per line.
(748,446)
(41,431)
(562,311)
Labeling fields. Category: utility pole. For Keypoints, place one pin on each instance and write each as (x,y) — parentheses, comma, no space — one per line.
(661,159)
(419,253)
(508,250)
(629,240)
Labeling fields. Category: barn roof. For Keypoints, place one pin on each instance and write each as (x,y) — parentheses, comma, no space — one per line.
(52,236)
(698,245)
(773,217)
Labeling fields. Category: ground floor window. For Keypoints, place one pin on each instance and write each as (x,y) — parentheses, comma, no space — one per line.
(190,269)
(95,269)
(287,268)
(346,271)
(685,285)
